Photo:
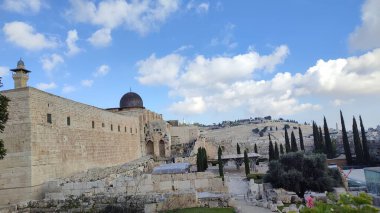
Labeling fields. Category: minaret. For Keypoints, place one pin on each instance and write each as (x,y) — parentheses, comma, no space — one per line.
(20,75)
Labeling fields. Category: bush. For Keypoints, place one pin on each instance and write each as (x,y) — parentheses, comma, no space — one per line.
(298,172)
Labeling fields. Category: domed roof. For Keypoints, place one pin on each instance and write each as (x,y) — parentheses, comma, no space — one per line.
(131,100)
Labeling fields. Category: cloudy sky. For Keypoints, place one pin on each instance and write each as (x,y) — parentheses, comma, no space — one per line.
(202,61)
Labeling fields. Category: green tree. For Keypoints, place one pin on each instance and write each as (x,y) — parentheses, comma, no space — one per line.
(205,165)
(316,138)
(271,150)
(321,141)
(246,163)
(298,172)
(329,146)
(238,149)
(255,148)
(4,101)
(287,143)
(366,156)
(357,142)
(276,152)
(281,149)
(220,163)
(199,160)
(301,139)
(294,147)
(346,144)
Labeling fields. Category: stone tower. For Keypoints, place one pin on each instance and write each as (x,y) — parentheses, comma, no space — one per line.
(20,75)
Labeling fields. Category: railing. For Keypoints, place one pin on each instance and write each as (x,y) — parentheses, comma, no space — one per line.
(20,74)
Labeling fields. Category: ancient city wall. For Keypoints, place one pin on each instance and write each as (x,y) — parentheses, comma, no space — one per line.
(15,168)
(184,134)
(61,137)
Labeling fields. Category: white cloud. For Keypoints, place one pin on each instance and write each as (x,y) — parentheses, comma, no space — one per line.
(4,71)
(24,35)
(87,83)
(52,61)
(226,37)
(183,48)
(203,7)
(68,89)
(72,38)
(226,84)
(191,105)
(101,38)
(200,8)
(159,71)
(102,71)
(139,16)
(46,86)
(22,6)
(366,36)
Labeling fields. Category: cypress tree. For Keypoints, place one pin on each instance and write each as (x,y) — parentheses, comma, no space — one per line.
(255,148)
(281,149)
(271,150)
(246,163)
(220,163)
(199,160)
(366,156)
(3,119)
(205,166)
(316,138)
(301,139)
(329,147)
(287,143)
(294,147)
(276,152)
(357,142)
(321,142)
(238,149)
(346,144)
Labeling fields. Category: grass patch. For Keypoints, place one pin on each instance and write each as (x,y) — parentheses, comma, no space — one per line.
(203,210)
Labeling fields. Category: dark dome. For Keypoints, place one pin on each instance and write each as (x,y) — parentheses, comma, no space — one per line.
(20,64)
(131,100)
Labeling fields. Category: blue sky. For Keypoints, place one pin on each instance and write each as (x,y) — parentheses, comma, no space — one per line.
(202,61)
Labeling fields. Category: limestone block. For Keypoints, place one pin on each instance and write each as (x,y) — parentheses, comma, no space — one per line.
(182,185)
(191,176)
(165,177)
(293,208)
(201,184)
(67,186)
(55,196)
(155,178)
(150,207)
(99,190)
(165,185)
(53,186)
(90,185)
(213,204)
(146,188)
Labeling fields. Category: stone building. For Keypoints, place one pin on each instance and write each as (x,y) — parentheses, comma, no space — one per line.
(50,137)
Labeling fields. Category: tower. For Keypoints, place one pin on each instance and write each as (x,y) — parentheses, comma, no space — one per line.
(20,75)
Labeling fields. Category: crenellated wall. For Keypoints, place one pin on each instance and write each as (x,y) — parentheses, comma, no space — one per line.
(79,137)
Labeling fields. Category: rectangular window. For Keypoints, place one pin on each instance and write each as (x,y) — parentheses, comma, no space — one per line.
(131,130)
(68,121)
(103,125)
(111,127)
(49,118)
(118,128)
(125,129)
(136,130)
(93,124)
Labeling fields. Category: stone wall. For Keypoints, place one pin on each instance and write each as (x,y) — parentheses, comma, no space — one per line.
(184,134)
(78,137)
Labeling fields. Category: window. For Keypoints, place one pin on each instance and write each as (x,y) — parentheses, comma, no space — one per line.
(118,128)
(93,124)
(111,127)
(49,118)
(103,125)
(136,130)
(68,121)
(125,129)
(131,130)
